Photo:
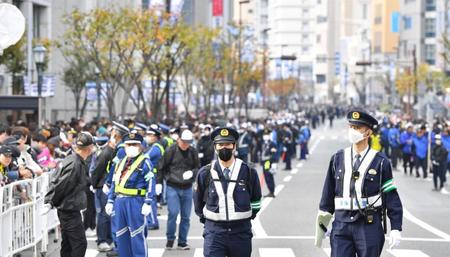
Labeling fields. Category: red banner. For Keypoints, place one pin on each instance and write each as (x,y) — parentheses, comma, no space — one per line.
(217,8)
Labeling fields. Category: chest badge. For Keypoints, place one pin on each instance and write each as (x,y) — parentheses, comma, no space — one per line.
(372,172)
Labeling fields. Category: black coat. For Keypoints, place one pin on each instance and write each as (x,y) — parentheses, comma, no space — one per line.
(68,185)
(99,173)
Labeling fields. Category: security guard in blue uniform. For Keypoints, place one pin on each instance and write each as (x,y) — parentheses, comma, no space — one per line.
(227,195)
(155,151)
(131,195)
(359,189)
(245,143)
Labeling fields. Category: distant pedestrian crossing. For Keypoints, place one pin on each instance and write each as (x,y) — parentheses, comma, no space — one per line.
(261,252)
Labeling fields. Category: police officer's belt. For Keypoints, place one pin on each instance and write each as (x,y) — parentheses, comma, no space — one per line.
(345,203)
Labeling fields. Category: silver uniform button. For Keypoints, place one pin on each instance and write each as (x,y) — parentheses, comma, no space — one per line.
(351,217)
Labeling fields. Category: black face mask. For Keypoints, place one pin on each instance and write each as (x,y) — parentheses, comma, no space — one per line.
(225,154)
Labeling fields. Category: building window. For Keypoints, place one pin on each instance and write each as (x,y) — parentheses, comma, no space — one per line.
(305,36)
(305,49)
(318,38)
(321,19)
(321,78)
(377,42)
(430,54)
(430,27)
(407,22)
(409,1)
(305,23)
(364,13)
(305,11)
(378,14)
(430,5)
(37,11)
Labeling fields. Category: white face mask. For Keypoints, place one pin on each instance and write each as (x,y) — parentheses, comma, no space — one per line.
(112,139)
(132,151)
(355,136)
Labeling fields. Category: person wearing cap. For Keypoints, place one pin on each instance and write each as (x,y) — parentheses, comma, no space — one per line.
(269,162)
(245,143)
(439,161)
(154,151)
(178,168)
(68,195)
(358,190)
(130,198)
(98,173)
(227,195)
(205,147)
(8,173)
(406,142)
(420,142)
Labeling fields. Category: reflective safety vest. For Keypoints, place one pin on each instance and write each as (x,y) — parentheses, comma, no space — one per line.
(120,183)
(161,148)
(226,207)
(169,141)
(375,142)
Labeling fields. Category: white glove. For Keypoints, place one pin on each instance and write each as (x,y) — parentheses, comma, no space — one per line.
(188,175)
(109,208)
(158,189)
(200,155)
(394,239)
(46,208)
(274,166)
(146,209)
(105,189)
(92,189)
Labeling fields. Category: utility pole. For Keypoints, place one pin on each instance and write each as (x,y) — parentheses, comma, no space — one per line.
(168,2)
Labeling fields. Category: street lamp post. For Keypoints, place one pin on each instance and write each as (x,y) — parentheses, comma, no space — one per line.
(39,59)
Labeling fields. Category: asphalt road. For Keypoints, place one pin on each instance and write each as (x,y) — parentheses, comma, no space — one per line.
(285,225)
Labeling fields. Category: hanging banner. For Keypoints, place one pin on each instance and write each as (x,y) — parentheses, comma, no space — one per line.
(217,6)
(47,90)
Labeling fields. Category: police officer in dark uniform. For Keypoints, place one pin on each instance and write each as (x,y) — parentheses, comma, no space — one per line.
(227,195)
(359,189)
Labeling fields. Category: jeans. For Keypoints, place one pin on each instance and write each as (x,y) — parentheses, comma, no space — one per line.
(103,219)
(178,200)
(421,163)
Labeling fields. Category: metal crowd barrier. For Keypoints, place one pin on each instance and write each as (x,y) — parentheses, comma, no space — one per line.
(22,225)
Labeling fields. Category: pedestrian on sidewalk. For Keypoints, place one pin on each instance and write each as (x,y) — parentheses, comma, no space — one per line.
(67,193)
(179,167)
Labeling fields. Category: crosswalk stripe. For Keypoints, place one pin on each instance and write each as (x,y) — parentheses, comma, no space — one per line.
(327,251)
(156,252)
(287,178)
(198,252)
(270,252)
(91,253)
(407,253)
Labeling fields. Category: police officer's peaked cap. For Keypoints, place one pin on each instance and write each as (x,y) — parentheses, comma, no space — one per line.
(133,138)
(140,126)
(165,129)
(122,129)
(154,130)
(361,117)
(224,134)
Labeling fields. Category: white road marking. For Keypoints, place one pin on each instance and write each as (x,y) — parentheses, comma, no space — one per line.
(270,252)
(334,137)
(425,225)
(327,251)
(410,239)
(294,171)
(407,253)
(91,253)
(198,252)
(315,144)
(156,252)
(256,223)
(300,164)
(287,178)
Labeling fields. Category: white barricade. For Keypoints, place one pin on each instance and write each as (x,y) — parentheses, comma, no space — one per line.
(21,224)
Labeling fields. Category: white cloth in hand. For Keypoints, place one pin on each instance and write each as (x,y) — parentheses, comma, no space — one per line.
(109,208)
(158,189)
(146,209)
(92,189)
(394,239)
(105,189)
(188,175)
(46,208)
